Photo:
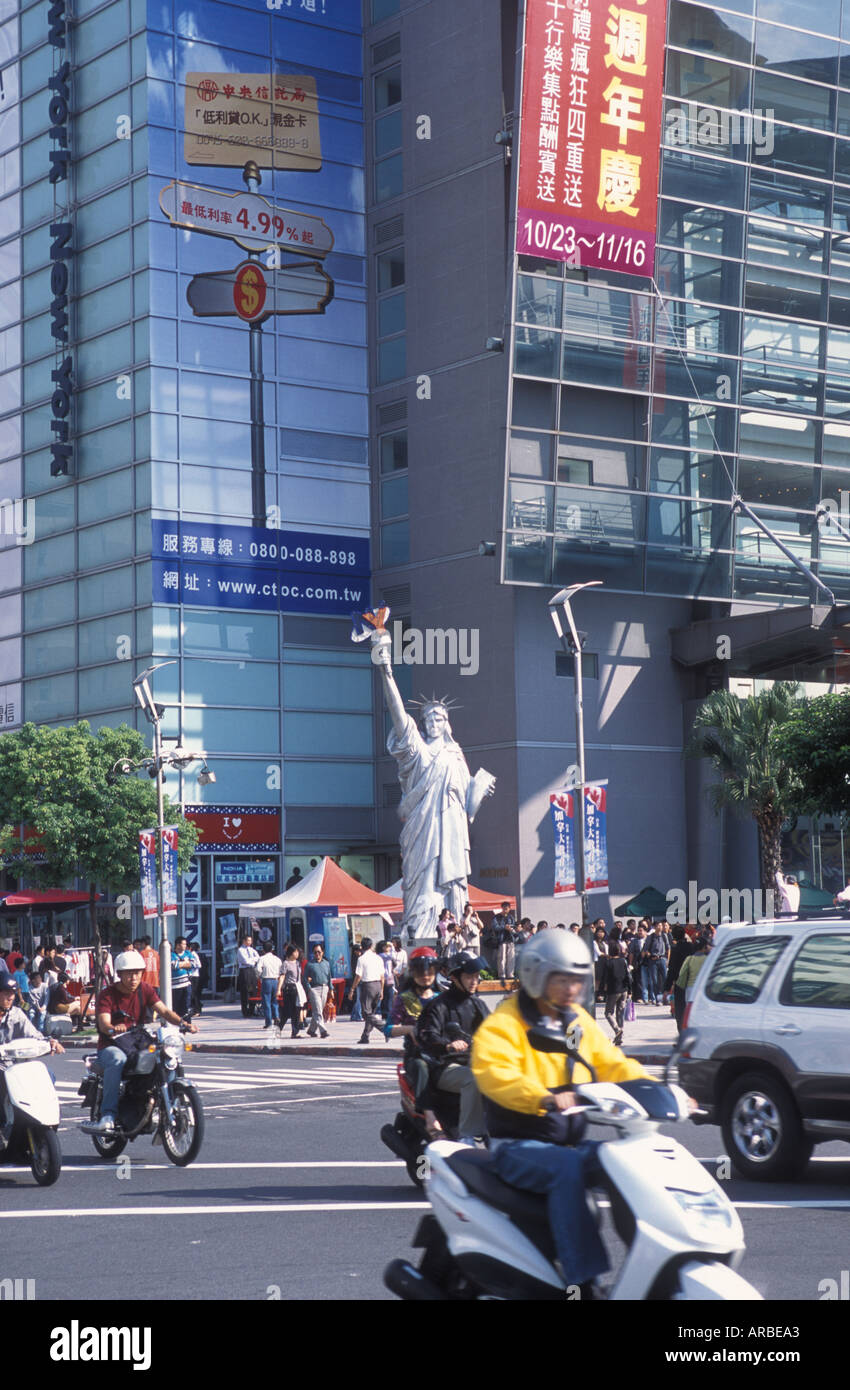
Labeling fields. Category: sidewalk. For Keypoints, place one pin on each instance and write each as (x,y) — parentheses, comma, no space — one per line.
(223,1030)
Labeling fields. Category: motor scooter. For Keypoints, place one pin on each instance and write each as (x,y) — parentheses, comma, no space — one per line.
(29,1109)
(485,1239)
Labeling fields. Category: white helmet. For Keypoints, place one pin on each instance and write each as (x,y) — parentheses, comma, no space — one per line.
(549,953)
(129,960)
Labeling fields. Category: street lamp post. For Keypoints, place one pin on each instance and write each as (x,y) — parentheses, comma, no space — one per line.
(573,642)
(155,767)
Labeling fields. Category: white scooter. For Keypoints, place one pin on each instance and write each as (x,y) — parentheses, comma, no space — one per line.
(29,1110)
(488,1240)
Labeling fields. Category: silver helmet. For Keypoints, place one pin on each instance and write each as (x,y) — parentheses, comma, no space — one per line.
(550,953)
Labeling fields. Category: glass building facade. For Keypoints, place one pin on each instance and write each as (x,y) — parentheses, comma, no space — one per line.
(639,409)
(176,427)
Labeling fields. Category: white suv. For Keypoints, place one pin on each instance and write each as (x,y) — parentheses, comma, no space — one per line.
(770,1058)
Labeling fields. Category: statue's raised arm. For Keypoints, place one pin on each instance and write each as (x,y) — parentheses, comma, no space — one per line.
(381,648)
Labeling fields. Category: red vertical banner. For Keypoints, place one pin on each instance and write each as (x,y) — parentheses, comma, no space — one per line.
(590,132)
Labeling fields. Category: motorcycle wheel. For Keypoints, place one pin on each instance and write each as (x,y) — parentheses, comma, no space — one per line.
(45,1156)
(104,1146)
(182,1143)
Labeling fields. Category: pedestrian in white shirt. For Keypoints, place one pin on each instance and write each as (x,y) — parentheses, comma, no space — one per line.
(370,977)
(269,968)
(246,963)
(789,894)
(399,961)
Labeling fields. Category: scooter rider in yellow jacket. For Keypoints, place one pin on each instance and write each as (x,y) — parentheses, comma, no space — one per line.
(528,1095)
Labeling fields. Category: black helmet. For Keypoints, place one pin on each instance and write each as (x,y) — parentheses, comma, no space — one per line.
(465,961)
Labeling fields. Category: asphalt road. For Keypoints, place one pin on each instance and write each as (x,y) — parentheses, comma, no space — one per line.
(294,1197)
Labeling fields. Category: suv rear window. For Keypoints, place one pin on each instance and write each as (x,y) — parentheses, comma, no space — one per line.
(739,975)
(819,977)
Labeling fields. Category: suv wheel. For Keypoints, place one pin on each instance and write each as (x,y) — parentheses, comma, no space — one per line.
(762,1130)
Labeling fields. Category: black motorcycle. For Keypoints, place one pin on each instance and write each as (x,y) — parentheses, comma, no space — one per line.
(155,1097)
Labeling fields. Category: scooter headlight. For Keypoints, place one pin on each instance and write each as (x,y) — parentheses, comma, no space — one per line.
(706,1210)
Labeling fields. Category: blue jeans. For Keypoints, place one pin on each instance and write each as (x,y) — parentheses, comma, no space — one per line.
(268,993)
(562,1174)
(649,982)
(38,1019)
(357,1012)
(110,1063)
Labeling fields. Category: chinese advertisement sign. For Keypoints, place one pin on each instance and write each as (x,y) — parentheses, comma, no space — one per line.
(169,869)
(219,566)
(595,837)
(561,805)
(590,132)
(230,119)
(562,808)
(147,870)
(258,207)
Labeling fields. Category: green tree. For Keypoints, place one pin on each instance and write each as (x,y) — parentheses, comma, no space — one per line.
(55,782)
(738,737)
(815,741)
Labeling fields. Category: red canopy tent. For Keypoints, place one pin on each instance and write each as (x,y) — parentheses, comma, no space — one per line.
(326,886)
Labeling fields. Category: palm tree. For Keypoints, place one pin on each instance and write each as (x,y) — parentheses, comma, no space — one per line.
(737,736)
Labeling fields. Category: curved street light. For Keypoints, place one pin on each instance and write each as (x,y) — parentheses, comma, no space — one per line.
(179,758)
(573,641)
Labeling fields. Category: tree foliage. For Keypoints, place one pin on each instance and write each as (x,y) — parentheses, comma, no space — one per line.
(54,781)
(815,741)
(739,737)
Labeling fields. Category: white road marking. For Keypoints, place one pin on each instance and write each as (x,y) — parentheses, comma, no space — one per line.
(212,1167)
(252,1208)
(297,1100)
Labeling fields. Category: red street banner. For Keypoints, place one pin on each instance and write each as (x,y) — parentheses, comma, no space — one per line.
(590,132)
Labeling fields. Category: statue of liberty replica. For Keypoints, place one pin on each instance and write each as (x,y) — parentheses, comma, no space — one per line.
(439,802)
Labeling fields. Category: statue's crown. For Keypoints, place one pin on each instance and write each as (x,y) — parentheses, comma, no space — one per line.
(424,705)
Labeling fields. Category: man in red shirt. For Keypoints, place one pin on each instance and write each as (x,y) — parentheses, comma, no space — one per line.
(120,1008)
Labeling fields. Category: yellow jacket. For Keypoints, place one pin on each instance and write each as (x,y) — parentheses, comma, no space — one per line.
(509,1072)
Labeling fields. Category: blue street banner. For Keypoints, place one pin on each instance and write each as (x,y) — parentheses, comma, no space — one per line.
(147,869)
(562,808)
(220,566)
(596,837)
(336,946)
(169,869)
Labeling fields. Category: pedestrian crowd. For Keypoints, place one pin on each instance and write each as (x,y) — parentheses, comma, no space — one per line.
(41,983)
